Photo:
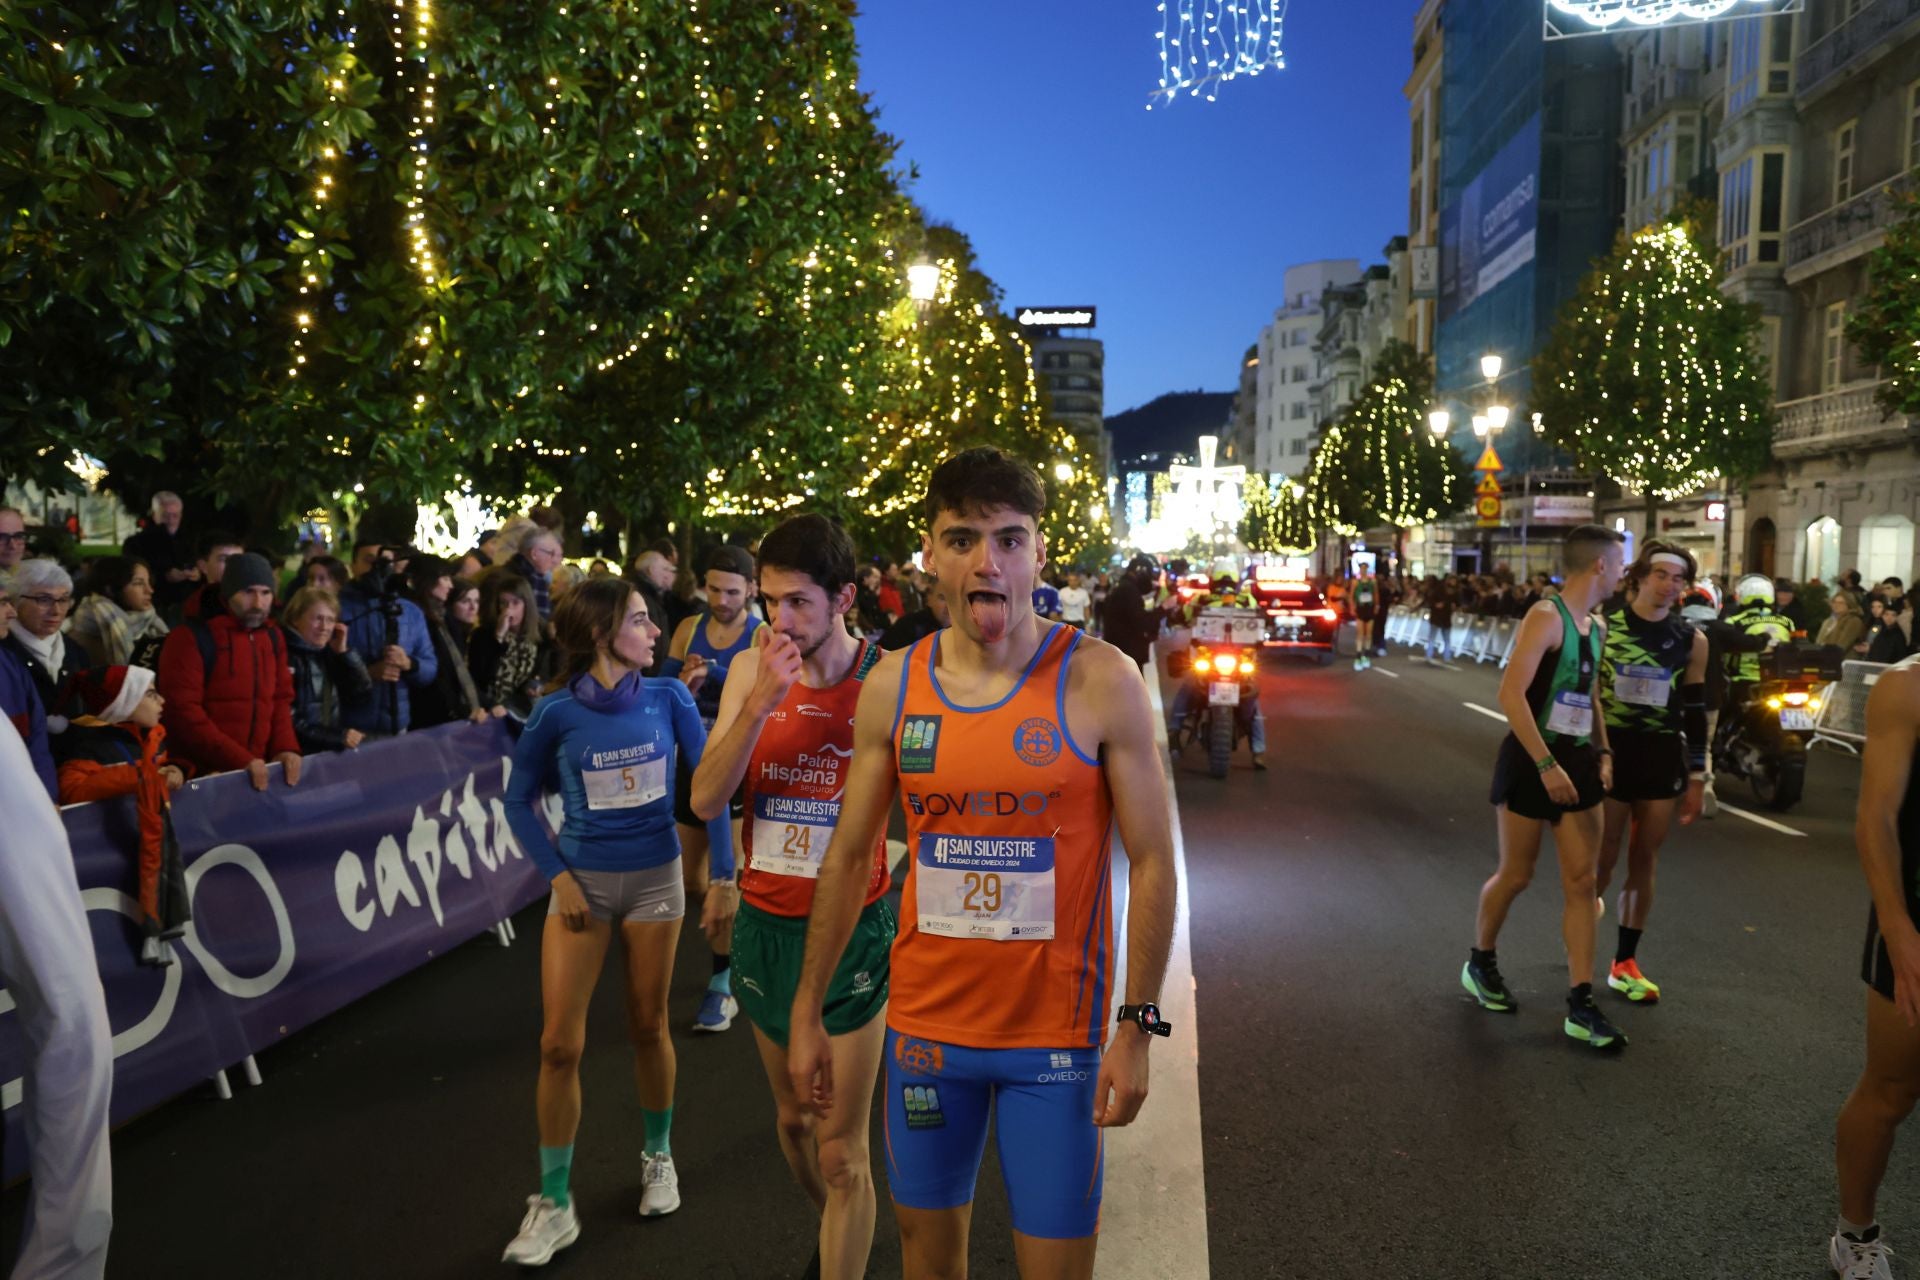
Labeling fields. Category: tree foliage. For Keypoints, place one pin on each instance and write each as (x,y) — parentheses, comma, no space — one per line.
(1652,376)
(1275,518)
(647,256)
(1884,327)
(1377,463)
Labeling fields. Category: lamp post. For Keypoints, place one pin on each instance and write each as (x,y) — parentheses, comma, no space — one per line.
(923,282)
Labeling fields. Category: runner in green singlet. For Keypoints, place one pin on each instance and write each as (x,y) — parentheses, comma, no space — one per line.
(1553,770)
(1365,596)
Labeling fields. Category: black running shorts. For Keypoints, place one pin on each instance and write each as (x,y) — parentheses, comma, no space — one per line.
(1647,766)
(1876,966)
(1517,783)
(1363,613)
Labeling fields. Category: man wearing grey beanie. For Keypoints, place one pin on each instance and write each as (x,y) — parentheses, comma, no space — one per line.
(227,683)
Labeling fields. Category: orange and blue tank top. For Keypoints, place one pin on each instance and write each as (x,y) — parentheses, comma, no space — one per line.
(796,779)
(1006,918)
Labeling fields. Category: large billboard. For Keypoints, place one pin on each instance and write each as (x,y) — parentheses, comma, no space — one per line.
(1488,233)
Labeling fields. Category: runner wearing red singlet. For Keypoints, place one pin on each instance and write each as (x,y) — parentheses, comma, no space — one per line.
(783,739)
(1019,748)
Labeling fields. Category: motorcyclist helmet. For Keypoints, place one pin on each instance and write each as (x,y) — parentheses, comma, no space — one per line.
(1701,603)
(1143,564)
(1754,588)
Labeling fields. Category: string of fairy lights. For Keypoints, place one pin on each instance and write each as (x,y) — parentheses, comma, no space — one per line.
(1205,43)
(313,265)
(1652,313)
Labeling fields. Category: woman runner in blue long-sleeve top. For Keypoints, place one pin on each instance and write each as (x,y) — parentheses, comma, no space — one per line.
(605,737)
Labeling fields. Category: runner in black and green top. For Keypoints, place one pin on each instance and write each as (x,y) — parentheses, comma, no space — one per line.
(1553,770)
(1365,595)
(1653,696)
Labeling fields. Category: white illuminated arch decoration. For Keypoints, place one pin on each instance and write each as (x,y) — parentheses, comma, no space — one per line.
(1602,16)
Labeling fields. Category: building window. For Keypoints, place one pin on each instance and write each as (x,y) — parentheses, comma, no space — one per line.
(1745,238)
(1299,373)
(1821,550)
(1299,410)
(1736,213)
(1913,125)
(1843,161)
(1886,548)
(1833,348)
(1743,65)
(1299,445)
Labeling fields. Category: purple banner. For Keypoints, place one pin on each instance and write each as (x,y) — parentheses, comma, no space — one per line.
(304,899)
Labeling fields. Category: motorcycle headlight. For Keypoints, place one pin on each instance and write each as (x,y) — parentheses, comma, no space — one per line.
(1246,666)
(1203,664)
(1773,704)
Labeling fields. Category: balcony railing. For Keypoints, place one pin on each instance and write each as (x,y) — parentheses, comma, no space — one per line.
(1669,86)
(1823,240)
(1847,419)
(1867,32)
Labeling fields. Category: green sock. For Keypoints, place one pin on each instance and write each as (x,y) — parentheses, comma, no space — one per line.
(659,1126)
(556,1163)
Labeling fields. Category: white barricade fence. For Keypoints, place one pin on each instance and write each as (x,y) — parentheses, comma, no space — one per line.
(1842,719)
(1477,633)
(1500,642)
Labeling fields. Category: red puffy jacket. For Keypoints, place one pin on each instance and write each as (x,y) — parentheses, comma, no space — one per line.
(238,711)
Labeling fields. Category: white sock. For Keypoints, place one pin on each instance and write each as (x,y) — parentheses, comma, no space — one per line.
(1855,1229)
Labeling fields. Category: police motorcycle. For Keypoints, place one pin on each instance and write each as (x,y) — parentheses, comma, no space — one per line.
(1219,673)
(1763,736)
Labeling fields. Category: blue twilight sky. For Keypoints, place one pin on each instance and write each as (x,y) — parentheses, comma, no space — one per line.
(1027,121)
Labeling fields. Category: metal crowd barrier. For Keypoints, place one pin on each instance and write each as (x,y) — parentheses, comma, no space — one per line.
(1842,719)
(1472,636)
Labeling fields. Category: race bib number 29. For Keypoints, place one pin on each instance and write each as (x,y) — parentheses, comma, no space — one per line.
(997,889)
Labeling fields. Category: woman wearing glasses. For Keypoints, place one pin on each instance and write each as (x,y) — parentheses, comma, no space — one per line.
(43,597)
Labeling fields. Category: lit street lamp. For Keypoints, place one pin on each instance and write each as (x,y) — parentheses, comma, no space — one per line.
(923,281)
(1439,422)
(1490,366)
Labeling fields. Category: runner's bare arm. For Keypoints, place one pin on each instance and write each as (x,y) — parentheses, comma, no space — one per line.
(871,786)
(731,743)
(1107,681)
(683,637)
(1539,631)
(1893,719)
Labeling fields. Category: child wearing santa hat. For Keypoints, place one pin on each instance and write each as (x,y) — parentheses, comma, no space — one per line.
(119,749)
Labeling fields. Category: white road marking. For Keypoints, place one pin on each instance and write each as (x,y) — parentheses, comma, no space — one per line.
(1769,823)
(1383,671)
(1153,1216)
(1485,711)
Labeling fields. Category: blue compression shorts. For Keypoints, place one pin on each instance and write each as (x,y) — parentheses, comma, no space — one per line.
(939,1097)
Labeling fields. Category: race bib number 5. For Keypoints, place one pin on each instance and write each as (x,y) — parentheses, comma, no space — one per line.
(992,888)
(628,787)
(790,834)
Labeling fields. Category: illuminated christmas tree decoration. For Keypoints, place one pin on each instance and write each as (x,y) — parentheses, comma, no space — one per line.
(1595,17)
(1204,43)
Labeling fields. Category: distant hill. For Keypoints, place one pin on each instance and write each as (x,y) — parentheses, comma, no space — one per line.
(1169,424)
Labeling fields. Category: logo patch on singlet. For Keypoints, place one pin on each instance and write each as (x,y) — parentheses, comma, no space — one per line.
(919,743)
(1037,742)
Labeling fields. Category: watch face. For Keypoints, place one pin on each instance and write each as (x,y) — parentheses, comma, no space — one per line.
(1149,1016)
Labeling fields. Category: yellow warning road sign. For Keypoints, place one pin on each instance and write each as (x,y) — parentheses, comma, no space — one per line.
(1489,461)
(1489,486)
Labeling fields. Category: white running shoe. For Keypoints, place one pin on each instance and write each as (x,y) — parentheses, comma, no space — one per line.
(1859,1260)
(662,1193)
(545,1231)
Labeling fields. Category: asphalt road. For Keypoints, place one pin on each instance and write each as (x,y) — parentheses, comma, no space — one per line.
(1364,1118)
(1360,1117)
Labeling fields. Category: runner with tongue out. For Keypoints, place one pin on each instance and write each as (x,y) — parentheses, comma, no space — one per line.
(1017,745)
